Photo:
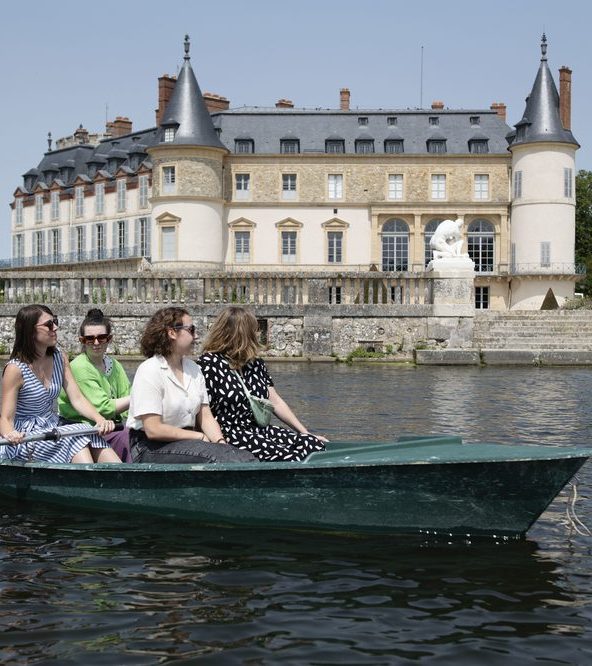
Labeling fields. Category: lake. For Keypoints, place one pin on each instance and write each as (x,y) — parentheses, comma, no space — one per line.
(79,588)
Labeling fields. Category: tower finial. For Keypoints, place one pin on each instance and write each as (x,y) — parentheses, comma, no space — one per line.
(186,57)
(49,142)
(544,47)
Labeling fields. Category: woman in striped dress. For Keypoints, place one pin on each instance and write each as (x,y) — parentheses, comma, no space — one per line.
(31,382)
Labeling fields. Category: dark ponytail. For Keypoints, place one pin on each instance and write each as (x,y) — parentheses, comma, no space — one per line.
(95,317)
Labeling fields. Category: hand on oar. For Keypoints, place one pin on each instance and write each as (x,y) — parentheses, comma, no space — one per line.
(101,428)
(12,437)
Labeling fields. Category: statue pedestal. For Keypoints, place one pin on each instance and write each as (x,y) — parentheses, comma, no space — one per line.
(452,266)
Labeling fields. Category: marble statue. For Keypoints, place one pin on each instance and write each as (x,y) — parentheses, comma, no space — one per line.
(447,240)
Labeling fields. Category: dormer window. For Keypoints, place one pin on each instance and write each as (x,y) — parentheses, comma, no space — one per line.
(169,134)
(392,146)
(244,146)
(436,146)
(475,121)
(289,146)
(434,121)
(364,146)
(363,121)
(335,146)
(478,146)
(391,121)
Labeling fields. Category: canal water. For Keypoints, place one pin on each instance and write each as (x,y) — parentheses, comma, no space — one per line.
(79,588)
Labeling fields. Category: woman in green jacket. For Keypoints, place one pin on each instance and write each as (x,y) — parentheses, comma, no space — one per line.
(102,380)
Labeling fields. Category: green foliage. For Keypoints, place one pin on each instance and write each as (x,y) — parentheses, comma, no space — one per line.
(584,228)
(361,352)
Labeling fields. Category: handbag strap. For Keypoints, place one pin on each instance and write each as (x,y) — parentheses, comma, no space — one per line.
(242,382)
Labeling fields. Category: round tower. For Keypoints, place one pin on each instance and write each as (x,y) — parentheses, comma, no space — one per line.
(187,197)
(542,226)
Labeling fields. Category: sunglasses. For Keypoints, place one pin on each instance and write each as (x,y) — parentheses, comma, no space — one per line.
(50,324)
(190,328)
(90,339)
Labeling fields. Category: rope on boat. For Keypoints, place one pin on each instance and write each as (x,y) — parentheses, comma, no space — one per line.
(570,511)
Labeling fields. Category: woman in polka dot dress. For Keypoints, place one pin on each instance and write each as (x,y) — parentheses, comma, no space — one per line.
(232,345)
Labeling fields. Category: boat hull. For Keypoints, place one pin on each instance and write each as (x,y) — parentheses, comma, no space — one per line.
(376,494)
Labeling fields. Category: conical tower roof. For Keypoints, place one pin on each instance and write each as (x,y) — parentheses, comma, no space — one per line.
(187,111)
(542,120)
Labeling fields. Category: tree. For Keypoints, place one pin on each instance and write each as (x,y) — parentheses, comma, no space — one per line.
(584,227)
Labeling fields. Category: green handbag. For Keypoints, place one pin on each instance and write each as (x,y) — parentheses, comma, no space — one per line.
(261,407)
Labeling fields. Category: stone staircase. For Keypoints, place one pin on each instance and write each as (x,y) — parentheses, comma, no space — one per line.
(538,331)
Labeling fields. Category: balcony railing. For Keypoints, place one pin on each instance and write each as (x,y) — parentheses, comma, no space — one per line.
(70,258)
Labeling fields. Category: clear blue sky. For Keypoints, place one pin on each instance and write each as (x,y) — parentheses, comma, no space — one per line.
(63,64)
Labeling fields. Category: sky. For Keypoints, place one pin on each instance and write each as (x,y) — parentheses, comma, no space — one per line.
(82,63)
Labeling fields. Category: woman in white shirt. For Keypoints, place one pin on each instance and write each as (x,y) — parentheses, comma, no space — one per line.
(170,420)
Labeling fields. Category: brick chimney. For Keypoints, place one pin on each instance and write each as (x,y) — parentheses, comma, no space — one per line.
(344,95)
(215,102)
(118,127)
(500,109)
(284,104)
(437,105)
(166,85)
(565,97)
(81,135)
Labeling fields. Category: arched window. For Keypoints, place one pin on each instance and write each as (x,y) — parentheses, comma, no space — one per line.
(428,232)
(395,246)
(481,245)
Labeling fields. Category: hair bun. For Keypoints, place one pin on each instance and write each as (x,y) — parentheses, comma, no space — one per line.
(95,313)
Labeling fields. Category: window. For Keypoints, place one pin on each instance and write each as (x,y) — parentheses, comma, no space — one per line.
(100,241)
(568,183)
(244,146)
(142,245)
(169,134)
(168,243)
(38,208)
(335,186)
(480,245)
(434,121)
(242,247)
(391,121)
(79,199)
(242,185)
(393,146)
(289,146)
(121,192)
(481,186)
(335,247)
(168,180)
(395,246)
(478,146)
(517,184)
(363,121)
(545,254)
(55,205)
(54,246)
(335,146)
(18,250)
(143,191)
(481,298)
(289,247)
(38,247)
(436,146)
(428,232)
(438,186)
(120,239)
(395,186)
(79,243)
(364,146)
(99,198)
(475,121)
(288,186)
(18,211)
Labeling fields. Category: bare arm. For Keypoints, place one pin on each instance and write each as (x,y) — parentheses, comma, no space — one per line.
(207,422)
(122,404)
(282,410)
(12,381)
(162,432)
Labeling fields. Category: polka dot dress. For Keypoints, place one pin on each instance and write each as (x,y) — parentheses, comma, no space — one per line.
(231,408)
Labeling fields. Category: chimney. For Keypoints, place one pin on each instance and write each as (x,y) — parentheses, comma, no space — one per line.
(284,104)
(81,135)
(500,109)
(166,85)
(215,102)
(565,97)
(437,105)
(344,99)
(118,127)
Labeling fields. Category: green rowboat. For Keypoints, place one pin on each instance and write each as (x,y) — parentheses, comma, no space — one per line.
(416,484)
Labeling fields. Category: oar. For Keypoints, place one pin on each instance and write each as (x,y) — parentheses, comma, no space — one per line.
(55,433)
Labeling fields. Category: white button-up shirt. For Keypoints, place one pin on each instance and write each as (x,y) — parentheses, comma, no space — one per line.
(156,390)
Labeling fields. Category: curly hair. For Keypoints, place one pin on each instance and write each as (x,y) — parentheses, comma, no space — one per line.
(24,333)
(235,333)
(155,338)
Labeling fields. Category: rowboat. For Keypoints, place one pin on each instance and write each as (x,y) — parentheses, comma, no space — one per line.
(435,484)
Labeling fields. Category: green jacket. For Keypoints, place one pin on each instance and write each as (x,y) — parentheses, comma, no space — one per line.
(98,388)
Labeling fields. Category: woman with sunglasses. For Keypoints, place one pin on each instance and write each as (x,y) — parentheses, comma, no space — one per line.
(102,380)
(35,374)
(169,415)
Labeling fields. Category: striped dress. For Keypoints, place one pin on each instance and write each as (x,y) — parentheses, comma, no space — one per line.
(35,412)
